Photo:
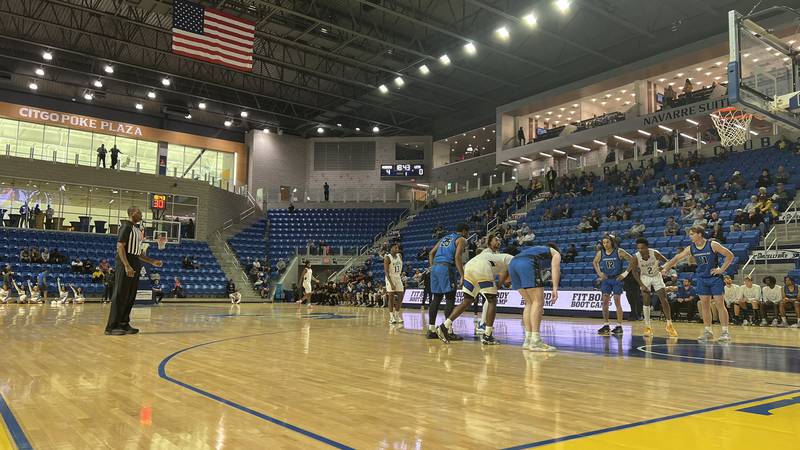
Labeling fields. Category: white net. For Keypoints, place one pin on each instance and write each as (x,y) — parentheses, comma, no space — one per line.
(732,125)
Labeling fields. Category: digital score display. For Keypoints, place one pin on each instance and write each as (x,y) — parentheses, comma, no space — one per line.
(159,202)
(402,170)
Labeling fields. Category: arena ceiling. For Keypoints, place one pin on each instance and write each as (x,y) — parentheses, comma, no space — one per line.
(320,62)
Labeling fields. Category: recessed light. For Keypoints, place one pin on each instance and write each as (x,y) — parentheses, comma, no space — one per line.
(679,74)
(661,80)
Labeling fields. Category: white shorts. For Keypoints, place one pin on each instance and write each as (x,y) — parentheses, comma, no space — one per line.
(396,282)
(730,302)
(653,283)
(307,288)
(477,281)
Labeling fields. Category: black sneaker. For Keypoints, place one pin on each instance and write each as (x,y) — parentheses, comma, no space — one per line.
(131,330)
(118,332)
(431,335)
(441,333)
(605,331)
(454,337)
(488,339)
(617,331)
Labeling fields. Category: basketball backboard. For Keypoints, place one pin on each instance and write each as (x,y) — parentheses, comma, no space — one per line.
(155,228)
(762,69)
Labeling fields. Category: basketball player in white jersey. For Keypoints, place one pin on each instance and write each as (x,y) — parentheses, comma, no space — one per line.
(393,268)
(649,277)
(479,279)
(5,293)
(23,297)
(63,293)
(307,277)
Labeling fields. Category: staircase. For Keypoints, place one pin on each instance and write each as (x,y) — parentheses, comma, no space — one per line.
(218,243)
(781,236)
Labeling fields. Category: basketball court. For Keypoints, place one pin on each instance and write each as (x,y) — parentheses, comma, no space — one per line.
(201,376)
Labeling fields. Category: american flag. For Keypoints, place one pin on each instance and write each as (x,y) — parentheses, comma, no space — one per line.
(211,35)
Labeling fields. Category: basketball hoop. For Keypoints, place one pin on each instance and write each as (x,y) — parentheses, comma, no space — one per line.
(161,240)
(732,125)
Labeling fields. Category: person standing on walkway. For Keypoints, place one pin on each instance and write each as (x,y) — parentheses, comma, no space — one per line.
(101,155)
(128,265)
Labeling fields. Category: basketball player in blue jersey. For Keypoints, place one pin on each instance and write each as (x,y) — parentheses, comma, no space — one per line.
(608,265)
(445,259)
(526,272)
(707,278)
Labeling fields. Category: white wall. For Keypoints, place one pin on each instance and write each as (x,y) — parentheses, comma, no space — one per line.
(275,161)
(365,184)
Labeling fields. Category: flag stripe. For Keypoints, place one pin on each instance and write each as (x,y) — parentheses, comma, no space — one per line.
(231,31)
(212,29)
(232,23)
(243,21)
(179,41)
(212,40)
(198,56)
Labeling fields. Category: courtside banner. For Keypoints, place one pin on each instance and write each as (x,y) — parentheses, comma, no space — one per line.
(566,301)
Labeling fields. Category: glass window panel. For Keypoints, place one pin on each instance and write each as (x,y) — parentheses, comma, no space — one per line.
(30,135)
(56,140)
(8,135)
(147,157)
(175,160)
(80,144)
(226,170)
(189,156)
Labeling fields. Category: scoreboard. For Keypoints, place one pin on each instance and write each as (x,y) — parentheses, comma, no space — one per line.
(402,170)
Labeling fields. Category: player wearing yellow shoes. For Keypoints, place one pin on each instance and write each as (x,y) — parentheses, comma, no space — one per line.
(649,277)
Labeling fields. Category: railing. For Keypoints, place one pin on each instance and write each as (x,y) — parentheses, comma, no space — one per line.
(229,251)
(750,260)
(769,244)
(790,216)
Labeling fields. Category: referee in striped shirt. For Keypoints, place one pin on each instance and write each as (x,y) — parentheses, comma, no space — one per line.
(130,256)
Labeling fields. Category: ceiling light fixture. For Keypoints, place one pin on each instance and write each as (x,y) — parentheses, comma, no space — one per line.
(228,122)
(423,69)
(375,129)
(580,147)
(693,122)
(444,59)
(166,82)
(88,96)
(244,114)
(33,86)
(469,48)
(623,139)
(526,159)
(47,56)
(644,133)
(151,94)
(320,130)
(187,116)
(598,142)
(559,152)
(563,5)
(399,82)
(39,71)
(669,130)
(383,89)
(530,19)
(502,33)
(98,84)
(201,105)
(108,68)
(139,106)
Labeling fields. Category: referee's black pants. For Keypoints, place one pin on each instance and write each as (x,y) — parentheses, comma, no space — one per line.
(124,295)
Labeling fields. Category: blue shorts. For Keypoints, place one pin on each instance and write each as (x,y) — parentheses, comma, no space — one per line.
(610,286)
(524,273)
(443,279)
(709,286)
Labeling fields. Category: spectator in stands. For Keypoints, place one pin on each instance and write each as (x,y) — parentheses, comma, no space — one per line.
(784,144)
(115,152)
(713,220)
(752,205)
(45,256)
(636,230)
(25,255)
(718,233)
(548,214)
(326,191)
(687,87)
(584,226)
(711,183)
(790,297)
(667,199)
(594,219)
(771,295)
(157,290)
(8,274)
(551,176)
(764,180)
(77,265)
(737,180)
(48,214)
(669,95)
(781,177)
(686,299)
(767,209)
(195,262)
(741,221)
(570,254)
(36,256)
(24,213)
(187,262)
(97,275)
(190,229)
(780,198)
(728,192)
(88,267)
(291,207)
(627,211)
(101,155)
(521,136)
(177,289)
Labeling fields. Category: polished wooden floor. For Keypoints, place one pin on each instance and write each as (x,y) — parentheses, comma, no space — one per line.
(273,377)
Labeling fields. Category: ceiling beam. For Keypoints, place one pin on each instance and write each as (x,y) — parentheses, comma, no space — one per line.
(592,6)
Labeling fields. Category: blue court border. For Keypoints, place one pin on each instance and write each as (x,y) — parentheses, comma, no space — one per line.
(17,435)
(647,422)
(162,372)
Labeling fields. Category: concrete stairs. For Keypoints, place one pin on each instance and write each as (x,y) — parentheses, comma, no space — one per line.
(218,243)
